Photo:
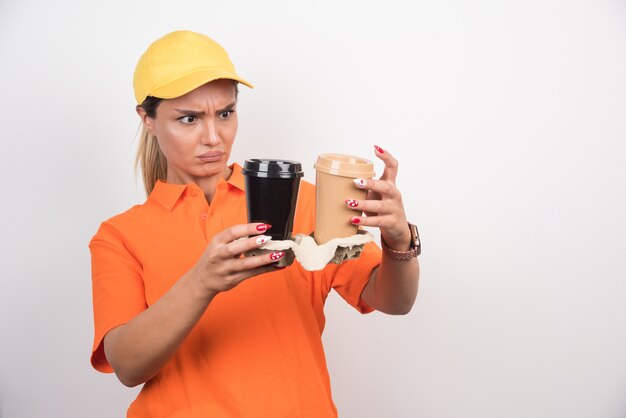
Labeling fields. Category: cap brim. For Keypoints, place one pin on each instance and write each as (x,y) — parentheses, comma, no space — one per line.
(189,82)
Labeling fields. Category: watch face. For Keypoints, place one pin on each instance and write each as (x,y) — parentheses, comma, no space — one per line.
(415,235)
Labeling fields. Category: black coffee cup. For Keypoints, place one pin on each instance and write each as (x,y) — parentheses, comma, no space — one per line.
(271,194)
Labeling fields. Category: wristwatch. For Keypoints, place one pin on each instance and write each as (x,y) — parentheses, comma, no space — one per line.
(416,246)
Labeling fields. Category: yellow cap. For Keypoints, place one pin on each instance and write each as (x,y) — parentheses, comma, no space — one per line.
(179,62)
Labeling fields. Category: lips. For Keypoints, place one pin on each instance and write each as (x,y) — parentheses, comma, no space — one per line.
(211,156)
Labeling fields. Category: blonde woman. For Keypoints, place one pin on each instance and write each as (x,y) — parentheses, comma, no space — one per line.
(174,308)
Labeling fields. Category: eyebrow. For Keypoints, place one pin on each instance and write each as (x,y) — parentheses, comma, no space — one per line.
(201,112)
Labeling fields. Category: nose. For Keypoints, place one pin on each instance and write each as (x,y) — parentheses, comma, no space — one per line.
(211,135)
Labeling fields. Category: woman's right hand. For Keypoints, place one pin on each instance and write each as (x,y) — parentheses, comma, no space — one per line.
(222,267)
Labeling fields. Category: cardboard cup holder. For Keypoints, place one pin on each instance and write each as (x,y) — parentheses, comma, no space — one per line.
(313,256)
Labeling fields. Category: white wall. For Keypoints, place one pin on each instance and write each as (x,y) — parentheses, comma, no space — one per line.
(509,122)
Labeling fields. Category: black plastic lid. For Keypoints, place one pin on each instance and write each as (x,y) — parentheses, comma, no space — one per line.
(268,168)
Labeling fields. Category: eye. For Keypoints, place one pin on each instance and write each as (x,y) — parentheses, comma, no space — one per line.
(188,119)
(226,114)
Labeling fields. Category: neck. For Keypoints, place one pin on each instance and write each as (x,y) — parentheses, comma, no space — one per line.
(209,184)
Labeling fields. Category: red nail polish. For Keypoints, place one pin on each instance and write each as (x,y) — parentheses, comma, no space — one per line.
(379,149)
(263,227)
(355,220)
(352,203)
(280,267)
(277,255)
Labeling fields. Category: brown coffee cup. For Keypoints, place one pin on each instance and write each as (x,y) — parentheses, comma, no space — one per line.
(334,184)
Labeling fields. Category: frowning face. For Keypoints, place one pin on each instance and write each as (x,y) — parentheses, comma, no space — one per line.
(196,131)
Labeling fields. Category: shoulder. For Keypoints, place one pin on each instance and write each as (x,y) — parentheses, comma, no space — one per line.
(129,222)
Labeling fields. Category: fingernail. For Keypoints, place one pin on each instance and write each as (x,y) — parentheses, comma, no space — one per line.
(355,220)
(352,203)
(379,149)
(360,182)
(280,267)
(263,227)
(262,239)
(277,255)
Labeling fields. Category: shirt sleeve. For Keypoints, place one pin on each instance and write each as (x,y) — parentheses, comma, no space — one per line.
(117,286)
(350,277)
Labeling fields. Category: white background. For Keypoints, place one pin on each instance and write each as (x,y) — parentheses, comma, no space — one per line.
(509,121)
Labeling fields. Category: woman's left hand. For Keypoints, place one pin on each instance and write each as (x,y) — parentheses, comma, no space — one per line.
(383,205)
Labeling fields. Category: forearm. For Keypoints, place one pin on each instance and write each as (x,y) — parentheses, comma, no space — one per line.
(393,286)
(138,349)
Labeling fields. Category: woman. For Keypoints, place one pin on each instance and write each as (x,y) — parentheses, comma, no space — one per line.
(171,307)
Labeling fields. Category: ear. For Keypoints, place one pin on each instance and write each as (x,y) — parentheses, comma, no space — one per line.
(147,121)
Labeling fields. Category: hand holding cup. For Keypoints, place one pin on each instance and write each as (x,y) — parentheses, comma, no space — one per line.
(221,267)
(383,205)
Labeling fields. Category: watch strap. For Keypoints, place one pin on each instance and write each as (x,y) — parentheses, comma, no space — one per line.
(416,246)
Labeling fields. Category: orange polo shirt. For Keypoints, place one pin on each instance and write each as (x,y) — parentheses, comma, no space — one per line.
(257,350)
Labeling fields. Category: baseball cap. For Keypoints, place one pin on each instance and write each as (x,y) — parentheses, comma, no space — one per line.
(180,62)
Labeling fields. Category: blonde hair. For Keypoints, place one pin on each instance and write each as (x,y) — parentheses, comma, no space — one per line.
(150,160)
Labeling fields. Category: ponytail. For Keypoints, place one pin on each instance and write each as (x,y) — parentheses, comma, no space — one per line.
(150,159)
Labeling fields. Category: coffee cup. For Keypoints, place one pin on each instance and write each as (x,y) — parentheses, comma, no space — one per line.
(334,184)
(272,193)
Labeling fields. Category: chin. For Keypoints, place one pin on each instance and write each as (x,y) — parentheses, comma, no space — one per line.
(213,169)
